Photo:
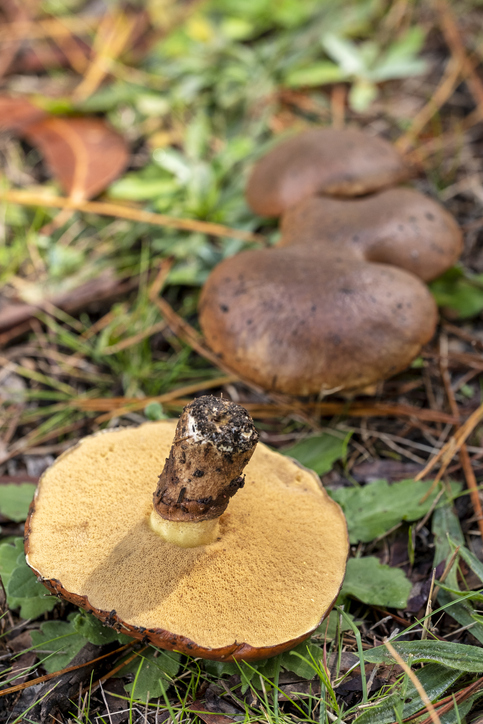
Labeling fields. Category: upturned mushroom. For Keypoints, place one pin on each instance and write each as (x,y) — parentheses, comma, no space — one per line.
(339,303)
(205,572)
(322,161)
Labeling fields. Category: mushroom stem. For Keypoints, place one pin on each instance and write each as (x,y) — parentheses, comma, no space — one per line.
(214,440)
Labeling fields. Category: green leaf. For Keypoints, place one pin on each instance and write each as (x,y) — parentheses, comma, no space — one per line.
(454,656)
(9,553)
(316,74)
(399,61)
(406,701)
(319,452)
(15,500)
(473,562)
(156,670)
(95,632)
(154,411)
(371,582)
(135,188)
(335,622)
(446,525)
(345,53)
(300,660)
(58,641)
(361,95)
(20,583)
(375,508)
(461,292)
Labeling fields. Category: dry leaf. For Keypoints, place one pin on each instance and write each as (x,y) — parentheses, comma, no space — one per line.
(18,113)
(84,154)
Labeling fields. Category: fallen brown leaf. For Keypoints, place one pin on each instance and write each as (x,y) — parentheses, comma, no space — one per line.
(84,154)
(18,113)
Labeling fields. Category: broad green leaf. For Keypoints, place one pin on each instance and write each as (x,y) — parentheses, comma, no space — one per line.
(221,668)
(316,74)
(21,586)
(9,553)
(153,670)
(435,680)
(318,452)
(95,632)
(459,291)
(371,582)
(375,508)
(15,500)
(454,656)
(57,643)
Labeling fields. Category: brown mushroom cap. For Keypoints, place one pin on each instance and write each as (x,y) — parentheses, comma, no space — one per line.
(259,589)
(303,323)
(322,161)
(398,226)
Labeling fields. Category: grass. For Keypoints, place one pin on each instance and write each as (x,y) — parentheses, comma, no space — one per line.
(203,91)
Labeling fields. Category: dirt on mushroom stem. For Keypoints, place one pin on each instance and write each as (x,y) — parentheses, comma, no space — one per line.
(214,441)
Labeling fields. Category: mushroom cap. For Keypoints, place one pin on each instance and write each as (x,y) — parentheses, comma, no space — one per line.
(262,587)
(322,161)
(398,226)
(304,323)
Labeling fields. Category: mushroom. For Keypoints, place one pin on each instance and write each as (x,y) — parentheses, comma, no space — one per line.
(398,226)
(203,573)
(322,161)
(339,303)
(307,320)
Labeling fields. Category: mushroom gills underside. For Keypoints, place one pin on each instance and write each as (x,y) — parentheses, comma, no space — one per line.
(270,577)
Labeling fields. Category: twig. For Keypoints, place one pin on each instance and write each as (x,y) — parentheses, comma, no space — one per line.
(429,610)
(463,453)
(28,198)
(113,35)
(449,450)
(442,93)
(457,47)
(48,677)
(167,397)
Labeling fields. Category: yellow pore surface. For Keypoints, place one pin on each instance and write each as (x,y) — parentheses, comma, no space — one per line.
(270,576)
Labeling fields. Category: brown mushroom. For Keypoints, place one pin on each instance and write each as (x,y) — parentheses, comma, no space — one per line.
(398,226)
(322,161)
(270,572)
(338,304)
(303,320)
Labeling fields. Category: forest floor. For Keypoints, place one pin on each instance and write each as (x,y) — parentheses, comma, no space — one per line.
(98,328)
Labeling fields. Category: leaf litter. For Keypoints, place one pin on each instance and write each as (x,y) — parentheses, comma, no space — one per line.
(194,117)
